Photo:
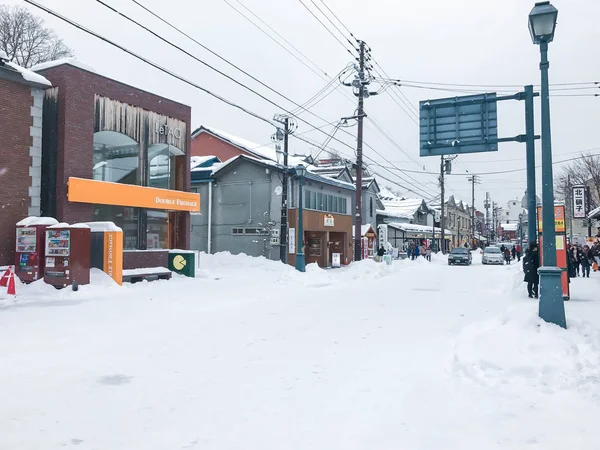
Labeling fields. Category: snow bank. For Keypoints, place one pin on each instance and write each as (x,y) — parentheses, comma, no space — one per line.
(520,349)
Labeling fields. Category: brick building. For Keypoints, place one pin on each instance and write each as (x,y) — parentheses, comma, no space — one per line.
(110,152)
(21,94)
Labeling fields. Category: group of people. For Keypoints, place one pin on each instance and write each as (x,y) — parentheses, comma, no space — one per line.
(582,258)
(413,251)
(579,260)
(510,254)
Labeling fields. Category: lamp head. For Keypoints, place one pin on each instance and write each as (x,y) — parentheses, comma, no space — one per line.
(542,22)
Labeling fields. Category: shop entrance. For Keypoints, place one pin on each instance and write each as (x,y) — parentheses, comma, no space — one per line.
(337,244)
(315,247)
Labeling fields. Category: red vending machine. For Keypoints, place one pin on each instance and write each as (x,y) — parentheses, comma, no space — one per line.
(67,255)
(30,247)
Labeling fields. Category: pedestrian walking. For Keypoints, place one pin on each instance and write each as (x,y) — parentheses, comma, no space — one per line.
(531,264)
(417,252)
(507,255)
(428,254)
(571,270)
(513,251)
(380,253)
(586,261)
(518,252)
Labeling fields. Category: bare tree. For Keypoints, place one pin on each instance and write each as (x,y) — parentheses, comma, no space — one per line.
(584,171)
(26,40)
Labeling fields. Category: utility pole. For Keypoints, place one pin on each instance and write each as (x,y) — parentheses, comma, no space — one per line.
(588,209)
(442,221)
(487,216)
(473,179)
(289,127)
(359,154)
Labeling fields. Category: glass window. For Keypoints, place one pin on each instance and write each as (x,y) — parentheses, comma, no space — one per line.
(116,158)
(334,205)
(319,201)
(330,203)
(157,233)
(125,218)
(313,200)
(307,200)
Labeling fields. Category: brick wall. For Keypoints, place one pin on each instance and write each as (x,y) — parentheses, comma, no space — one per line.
(76,90)
(205,144)
(15,141)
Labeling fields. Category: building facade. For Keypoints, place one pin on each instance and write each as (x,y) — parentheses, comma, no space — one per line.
(22,94)
(458,221)
(112,152)
(241,212)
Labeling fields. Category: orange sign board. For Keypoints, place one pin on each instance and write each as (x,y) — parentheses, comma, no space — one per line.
(113,256)
(559,219)
(82,190)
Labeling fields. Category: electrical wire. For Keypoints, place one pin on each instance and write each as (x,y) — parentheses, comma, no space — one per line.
(275,40)
(334,25)
(327,28)
(338,19)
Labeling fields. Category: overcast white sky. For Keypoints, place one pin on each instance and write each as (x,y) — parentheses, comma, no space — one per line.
(461,41)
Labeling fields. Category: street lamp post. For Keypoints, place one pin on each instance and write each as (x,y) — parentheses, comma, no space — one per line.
(542,23)
(300,262)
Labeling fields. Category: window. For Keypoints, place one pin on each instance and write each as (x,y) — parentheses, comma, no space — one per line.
(116,158)
(237,231)
(370,206)
(319,201)
(313,200)
(325,202)
(254,231)
(120,159)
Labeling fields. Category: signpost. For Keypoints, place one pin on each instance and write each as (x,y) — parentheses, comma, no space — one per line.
(469,124)
(579,202)
(561,245)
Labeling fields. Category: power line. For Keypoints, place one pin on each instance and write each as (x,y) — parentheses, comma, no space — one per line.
(516,86)
(334,25)
(490,173)
(275,40)
(147,61)
(338,19)
(327,28)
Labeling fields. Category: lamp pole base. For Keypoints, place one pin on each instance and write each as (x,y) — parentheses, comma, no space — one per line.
(552,305)
(300,262)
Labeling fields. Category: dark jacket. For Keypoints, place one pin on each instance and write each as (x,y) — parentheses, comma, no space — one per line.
(531,264)
(381,251)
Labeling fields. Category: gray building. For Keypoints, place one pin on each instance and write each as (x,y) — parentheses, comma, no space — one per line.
(241,210)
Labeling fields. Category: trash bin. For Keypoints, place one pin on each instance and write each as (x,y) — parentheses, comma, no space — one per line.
(388,259)
(183,262)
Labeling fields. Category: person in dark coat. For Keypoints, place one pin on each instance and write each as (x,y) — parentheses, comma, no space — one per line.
(513,251)
(531,264)
(586,261)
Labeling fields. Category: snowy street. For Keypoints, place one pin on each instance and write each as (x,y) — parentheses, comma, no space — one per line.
(254,355)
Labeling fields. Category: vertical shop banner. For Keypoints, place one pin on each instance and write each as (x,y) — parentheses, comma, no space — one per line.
(292,241)
(579,200)
(561,245)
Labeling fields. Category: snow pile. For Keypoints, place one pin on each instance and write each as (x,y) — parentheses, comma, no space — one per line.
(29,75)
(520,349)
(59,62)
(34,220)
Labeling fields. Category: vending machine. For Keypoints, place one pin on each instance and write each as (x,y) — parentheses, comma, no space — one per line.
(30,247)
(67,255)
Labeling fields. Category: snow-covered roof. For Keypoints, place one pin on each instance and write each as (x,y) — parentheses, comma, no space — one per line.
(401,207)
(200,162)
(33,221)
(264,151)
(364,229)
(28,75)
(59,62)
(414,228)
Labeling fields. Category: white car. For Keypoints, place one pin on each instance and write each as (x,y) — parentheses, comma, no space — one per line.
(492,255)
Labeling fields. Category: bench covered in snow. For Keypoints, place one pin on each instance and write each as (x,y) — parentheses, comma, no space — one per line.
(148,274)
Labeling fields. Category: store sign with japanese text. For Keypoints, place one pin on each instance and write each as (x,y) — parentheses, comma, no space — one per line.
(579,202)
(559,219)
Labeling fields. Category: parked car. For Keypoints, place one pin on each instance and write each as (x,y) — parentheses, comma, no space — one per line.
(492,255)
(460,255)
